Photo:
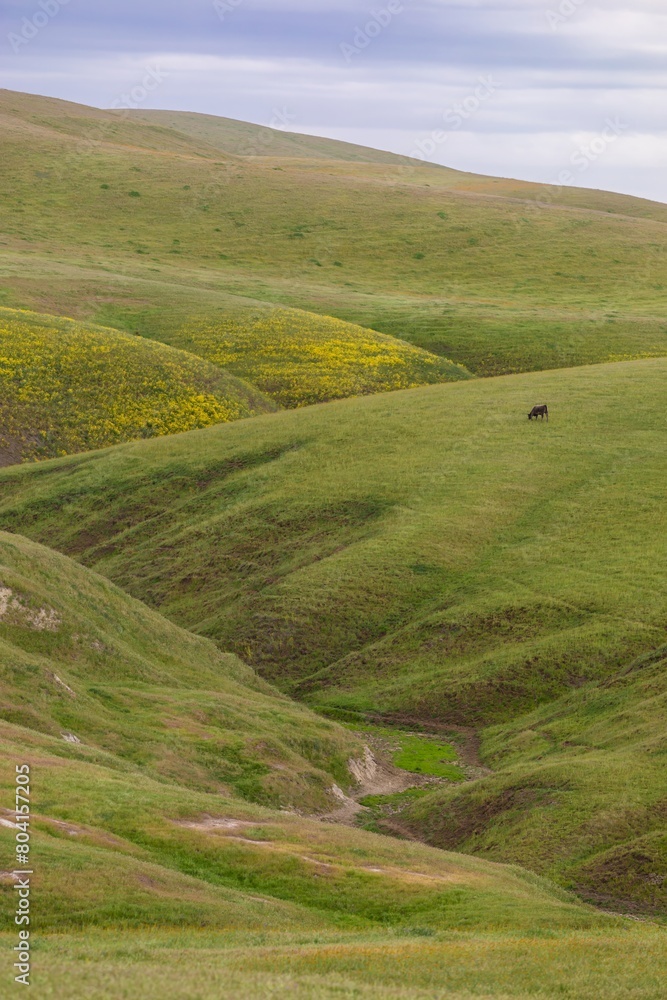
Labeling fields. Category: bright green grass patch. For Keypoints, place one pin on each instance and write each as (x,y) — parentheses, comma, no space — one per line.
(419,754)
(424,756)
(67,387)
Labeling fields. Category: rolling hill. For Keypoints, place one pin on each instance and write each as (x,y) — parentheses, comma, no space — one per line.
(356,556)
(83,662)
(379,709)
(67,386)
(298,358)
(236,138)
(147,853)
(115,218)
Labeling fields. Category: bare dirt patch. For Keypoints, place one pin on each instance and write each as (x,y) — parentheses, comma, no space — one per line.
(375,775)
(209,823)
(14,611)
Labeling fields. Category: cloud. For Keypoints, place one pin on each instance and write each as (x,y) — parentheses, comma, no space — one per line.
(245,57)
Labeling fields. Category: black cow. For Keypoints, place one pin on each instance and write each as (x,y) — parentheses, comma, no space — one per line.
(539,411)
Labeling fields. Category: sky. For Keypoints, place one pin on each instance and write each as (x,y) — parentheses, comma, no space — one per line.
(535,89)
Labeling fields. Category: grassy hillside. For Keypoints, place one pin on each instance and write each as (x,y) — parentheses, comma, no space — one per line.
(82,662)
(298,358)
(237,138)
(393,543)
(497,275)
(429,554)
(153,875)
(150,886)
(580,788)
(67,387)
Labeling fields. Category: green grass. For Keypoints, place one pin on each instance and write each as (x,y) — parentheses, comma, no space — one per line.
(68,387)
(415,752)
(425,757)
(299,358)
(356,555)
(323,966)
(121,849)
(578,792)
(425,556)
(79,657)
(496,275)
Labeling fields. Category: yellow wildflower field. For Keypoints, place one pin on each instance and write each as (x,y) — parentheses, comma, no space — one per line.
(298,358)
(67,386)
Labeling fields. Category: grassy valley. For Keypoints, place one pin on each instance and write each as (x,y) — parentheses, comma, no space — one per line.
(138,747)
(336,676)
(149,886)
(395,583)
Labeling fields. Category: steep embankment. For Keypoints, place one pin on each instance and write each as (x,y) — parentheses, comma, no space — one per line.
(83,663)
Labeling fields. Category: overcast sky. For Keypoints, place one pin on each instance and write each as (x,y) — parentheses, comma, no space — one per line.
(521,88)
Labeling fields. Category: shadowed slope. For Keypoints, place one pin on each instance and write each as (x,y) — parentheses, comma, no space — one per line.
(84,663)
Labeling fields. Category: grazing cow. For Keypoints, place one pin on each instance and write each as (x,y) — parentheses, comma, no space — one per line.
(539,411)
